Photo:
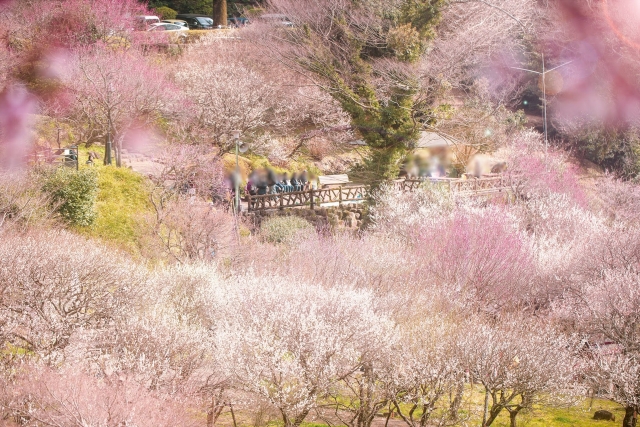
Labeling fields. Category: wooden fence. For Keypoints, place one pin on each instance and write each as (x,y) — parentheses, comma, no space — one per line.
(358,193)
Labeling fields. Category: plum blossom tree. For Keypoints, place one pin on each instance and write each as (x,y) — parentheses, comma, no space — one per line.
(70,23)
(70,398)
(357,398)
(115,90)
(428,370)
(21,204)
(253,94)
(53,284)
(291,342)
(238,98)
(607,310)
(519,364)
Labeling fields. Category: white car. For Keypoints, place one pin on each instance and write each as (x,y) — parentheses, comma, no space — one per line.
(145,21)
(277,18)
(165,26)
(176,22)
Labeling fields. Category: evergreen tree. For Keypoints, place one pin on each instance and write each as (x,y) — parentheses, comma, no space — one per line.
(363,53)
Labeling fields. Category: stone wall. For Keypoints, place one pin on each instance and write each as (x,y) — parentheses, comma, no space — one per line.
(348,217)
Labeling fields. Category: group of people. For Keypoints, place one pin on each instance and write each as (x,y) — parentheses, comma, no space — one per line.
(270,182)
(419,167)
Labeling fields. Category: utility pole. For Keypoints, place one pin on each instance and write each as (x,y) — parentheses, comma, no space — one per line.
(543,78)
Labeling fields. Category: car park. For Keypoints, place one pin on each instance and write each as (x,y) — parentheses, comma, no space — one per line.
(175,33)
(196,22)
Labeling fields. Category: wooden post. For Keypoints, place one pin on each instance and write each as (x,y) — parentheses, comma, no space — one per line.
(311,198)
(281,200)
(340,195)
(248,202)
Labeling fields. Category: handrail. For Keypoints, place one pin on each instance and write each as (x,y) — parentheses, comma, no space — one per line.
(57,155)
(310,198)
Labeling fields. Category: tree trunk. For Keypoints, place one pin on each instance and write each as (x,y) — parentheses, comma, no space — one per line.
(233,415)
(295,421)
(512,417)
(118,148)
(214,411)
(220,13)
(457,400)
(493,414)
(630,416)
(485,408)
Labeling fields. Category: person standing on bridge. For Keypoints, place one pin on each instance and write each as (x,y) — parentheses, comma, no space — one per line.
(272,180)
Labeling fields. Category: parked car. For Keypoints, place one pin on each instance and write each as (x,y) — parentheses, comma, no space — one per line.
(163,26)
(143,22)
(276,18)
(176,22)
(196,22)
(238,22)
(176,33)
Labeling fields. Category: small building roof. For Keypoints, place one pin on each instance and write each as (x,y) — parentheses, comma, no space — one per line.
(426,140)
(434,140)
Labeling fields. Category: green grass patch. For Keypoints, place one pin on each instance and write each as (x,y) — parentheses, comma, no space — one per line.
(122,202)
(576,416)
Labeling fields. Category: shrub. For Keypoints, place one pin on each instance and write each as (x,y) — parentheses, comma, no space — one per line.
(166,12)
(73,193)
(284,229)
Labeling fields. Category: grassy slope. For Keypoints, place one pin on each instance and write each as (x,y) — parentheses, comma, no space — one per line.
(123,199)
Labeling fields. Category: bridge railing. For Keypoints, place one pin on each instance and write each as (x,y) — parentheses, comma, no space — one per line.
(62,156)
(357,193)
(310,198)
(485,184)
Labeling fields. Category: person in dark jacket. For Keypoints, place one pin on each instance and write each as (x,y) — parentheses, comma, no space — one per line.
(272,180)
(304,180)
(295,181)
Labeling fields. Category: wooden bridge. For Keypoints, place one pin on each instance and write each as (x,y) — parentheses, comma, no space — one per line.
(359,193)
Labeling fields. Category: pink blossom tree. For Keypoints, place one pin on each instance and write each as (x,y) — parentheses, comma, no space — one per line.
(115,90)
(69,397)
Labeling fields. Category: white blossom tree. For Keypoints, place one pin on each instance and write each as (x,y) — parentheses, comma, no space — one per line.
(428,370)
(520,362)
(292,342)
(607,310)
(53,284)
